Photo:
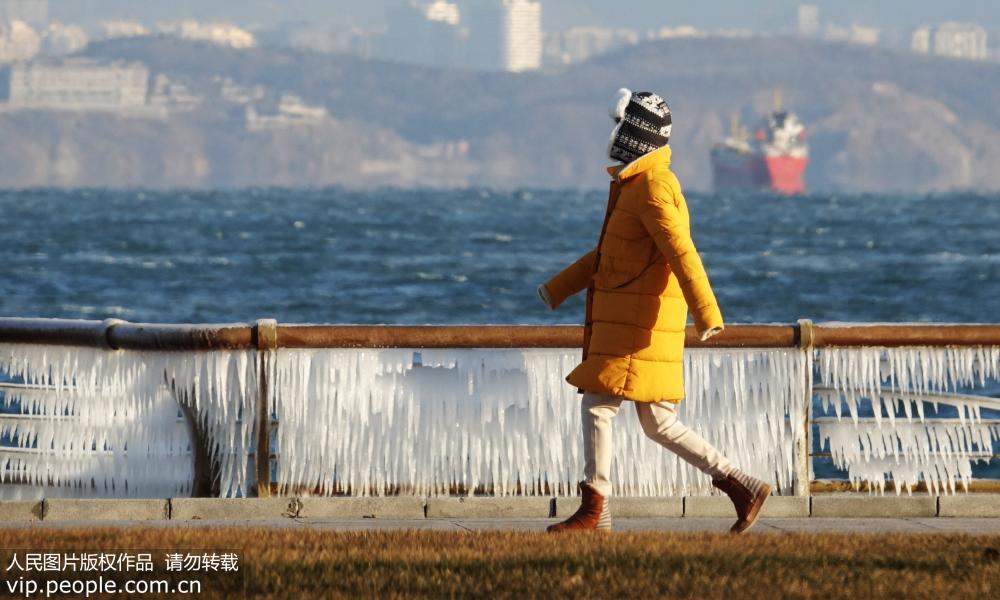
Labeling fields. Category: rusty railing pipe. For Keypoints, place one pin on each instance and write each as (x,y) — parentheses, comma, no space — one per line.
(430,336)
(906,334)
(503,336)
(149,336)
(55,332)
(117,334)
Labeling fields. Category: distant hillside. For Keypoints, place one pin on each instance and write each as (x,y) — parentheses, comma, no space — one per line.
(877,120)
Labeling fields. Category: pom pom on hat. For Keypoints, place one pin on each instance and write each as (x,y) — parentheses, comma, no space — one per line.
(617,109)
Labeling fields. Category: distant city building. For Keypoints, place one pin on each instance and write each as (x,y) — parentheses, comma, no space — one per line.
(808,20)
(681,31)
(505,35)
(580,43)
(170,96)
(440,11)
(920,41)
(291,112)
(79,84)
(315,37)
(855,34)
(232,92)
(426,33)
(63,39)
(32,12)
(18,41)
(123,29)
(223,34)
(955,40)
(861,34)
(522,35)
(961,40)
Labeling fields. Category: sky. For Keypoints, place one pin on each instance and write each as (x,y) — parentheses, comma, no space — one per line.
(761,15)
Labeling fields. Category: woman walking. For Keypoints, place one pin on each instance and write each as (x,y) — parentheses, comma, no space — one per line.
(642,278)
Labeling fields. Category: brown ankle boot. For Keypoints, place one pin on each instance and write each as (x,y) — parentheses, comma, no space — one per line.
(592,514)
(748,495)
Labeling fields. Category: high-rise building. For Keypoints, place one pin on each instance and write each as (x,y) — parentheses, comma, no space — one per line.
(808,20)
(522,35)
(505,35)
(955,40)
(961,40)
(33,12)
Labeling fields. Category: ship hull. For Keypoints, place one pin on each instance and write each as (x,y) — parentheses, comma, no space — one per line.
(734,170)
(785,173)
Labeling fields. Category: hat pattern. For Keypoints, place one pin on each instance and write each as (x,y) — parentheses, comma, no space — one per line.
(643,125)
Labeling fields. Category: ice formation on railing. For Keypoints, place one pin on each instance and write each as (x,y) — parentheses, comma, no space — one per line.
(86,422)
(889,432)
(79,445)
(222,388)
(506,422)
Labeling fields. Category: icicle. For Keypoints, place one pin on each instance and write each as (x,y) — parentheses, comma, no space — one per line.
(939,451)
(93,422)
(505,421)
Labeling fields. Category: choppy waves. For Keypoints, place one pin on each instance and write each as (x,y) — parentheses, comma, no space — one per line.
(476,256)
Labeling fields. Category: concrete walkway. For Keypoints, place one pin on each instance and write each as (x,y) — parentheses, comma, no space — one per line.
(678,525)
(966,513)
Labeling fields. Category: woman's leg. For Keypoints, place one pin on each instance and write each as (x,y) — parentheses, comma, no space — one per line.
(597,412)
(660,423)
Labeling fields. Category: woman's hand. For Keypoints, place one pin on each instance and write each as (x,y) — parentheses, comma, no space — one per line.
(704,335)
(543,293)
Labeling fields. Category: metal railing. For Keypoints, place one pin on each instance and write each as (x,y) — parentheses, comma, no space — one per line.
(266,336)
(268,333)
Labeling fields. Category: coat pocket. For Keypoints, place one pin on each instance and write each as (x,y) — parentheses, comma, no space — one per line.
(615,272)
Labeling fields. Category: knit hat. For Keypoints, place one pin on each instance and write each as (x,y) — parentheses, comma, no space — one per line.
(643,125)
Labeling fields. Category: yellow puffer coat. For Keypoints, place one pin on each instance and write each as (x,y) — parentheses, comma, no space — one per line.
(641,279)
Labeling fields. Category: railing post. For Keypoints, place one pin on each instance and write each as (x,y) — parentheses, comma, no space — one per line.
(266,334)
(801,464)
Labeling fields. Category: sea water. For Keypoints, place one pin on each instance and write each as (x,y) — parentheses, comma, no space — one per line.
(476,256)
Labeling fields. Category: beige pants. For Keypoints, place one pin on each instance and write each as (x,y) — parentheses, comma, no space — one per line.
(659,422)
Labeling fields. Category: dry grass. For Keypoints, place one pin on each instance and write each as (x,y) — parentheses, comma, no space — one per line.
(424,564)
